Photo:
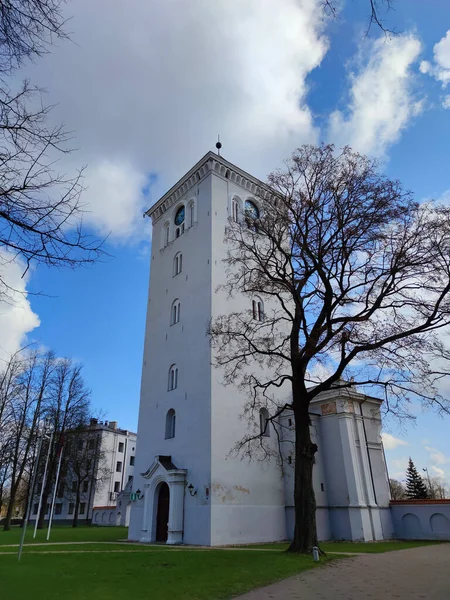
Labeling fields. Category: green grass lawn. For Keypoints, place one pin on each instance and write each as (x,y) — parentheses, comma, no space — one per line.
(65,534)
(355,547)
(147,573)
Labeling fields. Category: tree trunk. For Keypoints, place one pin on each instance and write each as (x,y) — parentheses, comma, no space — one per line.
(305,530)
(9,513)
(77,504)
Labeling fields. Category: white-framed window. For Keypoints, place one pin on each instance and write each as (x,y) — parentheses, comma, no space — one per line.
(177,263)
(119,466)
(191,208)
(165,235)
(170,424)
(175,312)
(258,309)
(235,211)
(264,422)
(173,378)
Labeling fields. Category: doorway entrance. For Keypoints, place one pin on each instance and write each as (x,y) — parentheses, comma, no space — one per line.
(162,515)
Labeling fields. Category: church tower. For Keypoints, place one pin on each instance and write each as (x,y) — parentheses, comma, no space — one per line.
(188,487)
(192,490)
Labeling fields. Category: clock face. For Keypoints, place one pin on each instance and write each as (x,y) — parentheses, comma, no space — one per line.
(251,209)
(179,217)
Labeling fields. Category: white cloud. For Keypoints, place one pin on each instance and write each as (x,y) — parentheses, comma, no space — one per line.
(446,101)
(382,101)
(390,442)
(440,68)
(397,467)
(437,456)
(16,316)
(148,89)
(114,199)
(437,471)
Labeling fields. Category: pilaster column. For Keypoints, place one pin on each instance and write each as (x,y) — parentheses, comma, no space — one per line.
(351,463)
(145,520)
(176,481)
(365,461)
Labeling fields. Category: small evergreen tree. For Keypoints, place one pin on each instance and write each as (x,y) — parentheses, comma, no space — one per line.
(415,486)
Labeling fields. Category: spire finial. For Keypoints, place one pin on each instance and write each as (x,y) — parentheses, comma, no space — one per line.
(218,145)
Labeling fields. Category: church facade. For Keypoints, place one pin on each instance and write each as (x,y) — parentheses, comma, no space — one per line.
(188,488)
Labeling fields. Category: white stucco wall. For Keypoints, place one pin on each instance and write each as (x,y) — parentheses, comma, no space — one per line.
(186,345)
(421,520)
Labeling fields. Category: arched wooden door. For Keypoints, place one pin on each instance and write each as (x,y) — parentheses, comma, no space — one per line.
(162,516)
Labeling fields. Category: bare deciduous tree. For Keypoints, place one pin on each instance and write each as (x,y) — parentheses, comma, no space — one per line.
(67,408)
(376,12)
(27,29)
(40,209)
(85,467)
(355,276)
(25,381)
(398,491)
(438,488)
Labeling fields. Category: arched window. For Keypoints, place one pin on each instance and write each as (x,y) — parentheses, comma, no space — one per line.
(165,235)
(251,212)
(179,221)
(170,424)
(264,422)
(258,309)
(177,263)
(235,211)
(173,378)
(175,312)
(191,213)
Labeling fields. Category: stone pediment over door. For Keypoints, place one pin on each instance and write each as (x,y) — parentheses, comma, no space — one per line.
(163,470)
(161,461)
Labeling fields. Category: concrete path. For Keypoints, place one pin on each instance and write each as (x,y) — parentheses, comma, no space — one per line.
(418,573)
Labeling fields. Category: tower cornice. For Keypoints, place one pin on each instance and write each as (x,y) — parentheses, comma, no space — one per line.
(211,162)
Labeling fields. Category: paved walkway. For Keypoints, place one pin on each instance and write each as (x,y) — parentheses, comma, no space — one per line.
(418,573)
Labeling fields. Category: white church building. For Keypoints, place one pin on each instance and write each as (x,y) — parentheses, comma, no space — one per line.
(187,487)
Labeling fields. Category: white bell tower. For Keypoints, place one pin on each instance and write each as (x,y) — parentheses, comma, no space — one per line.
(193,491)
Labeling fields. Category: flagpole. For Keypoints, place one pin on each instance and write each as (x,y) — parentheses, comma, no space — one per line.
(43,484)
(54,495)
(30,494)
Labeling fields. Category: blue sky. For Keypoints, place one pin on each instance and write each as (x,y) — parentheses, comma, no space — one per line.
(146,92)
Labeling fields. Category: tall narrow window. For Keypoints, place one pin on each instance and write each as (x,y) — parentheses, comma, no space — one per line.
(177,263)
(235,211)
(170,424)
(175,312)
(258,309)
(191,214)
(166,234)
(264,422)
(173,377)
